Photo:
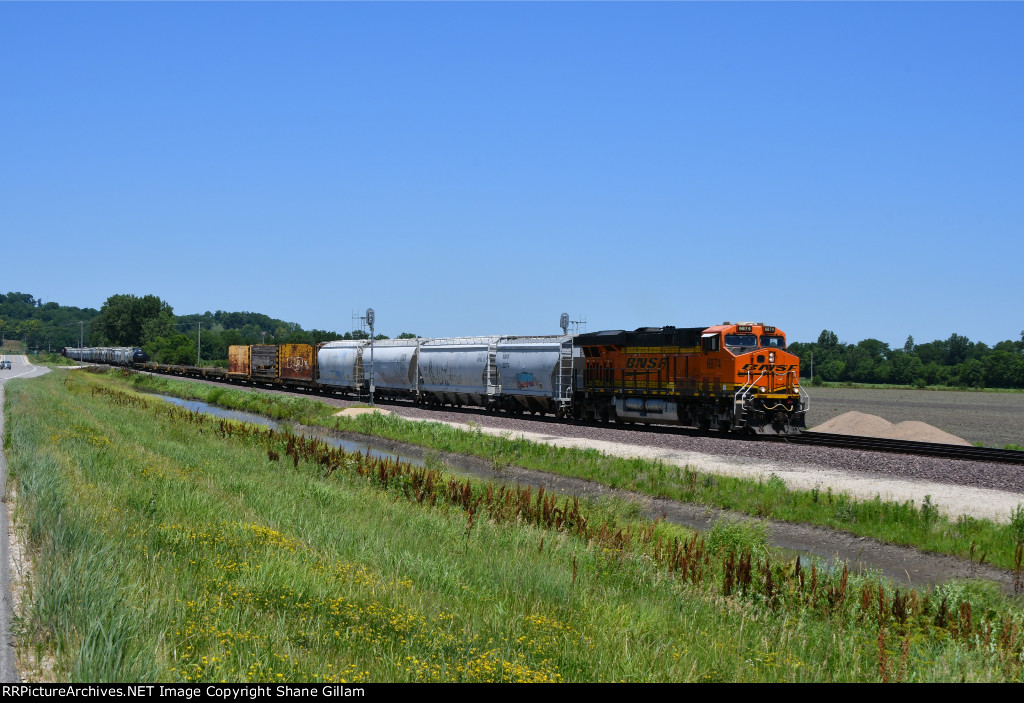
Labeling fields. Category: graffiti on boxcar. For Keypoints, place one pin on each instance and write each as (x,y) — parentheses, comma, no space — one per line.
(296,363)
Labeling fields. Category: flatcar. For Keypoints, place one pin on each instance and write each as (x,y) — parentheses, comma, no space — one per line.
(732,377)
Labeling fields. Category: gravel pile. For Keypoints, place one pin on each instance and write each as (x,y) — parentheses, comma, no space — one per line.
(864,425)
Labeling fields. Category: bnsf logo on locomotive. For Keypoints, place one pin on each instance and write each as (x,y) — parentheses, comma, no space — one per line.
(652,364)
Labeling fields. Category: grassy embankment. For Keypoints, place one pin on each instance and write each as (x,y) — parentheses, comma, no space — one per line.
(170,546)
(50,359)
(898,523)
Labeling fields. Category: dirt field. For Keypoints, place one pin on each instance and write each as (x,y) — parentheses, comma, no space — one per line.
(994,419)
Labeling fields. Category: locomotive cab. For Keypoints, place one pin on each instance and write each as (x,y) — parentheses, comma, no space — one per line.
(767,393)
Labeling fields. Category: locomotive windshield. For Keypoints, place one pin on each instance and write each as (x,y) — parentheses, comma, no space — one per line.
(771,340)
(741,341)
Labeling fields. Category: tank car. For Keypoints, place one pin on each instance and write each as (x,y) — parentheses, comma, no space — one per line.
(117,356)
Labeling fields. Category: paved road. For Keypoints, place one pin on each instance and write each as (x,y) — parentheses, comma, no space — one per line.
(20,368)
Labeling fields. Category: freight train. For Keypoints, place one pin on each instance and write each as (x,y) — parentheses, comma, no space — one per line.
(732,377)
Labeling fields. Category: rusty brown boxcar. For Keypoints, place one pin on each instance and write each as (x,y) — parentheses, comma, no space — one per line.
(297,362)
(239,361)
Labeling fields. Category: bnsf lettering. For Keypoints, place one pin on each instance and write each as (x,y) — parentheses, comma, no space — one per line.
(777,368)
(651,364)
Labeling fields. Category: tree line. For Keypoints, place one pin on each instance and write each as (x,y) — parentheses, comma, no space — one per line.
(956,361)
(149,322)
(42,325)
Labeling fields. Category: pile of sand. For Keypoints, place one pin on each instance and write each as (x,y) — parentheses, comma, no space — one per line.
(864,425)
(352,412)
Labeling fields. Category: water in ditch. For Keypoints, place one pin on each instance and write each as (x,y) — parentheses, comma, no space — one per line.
(242,416)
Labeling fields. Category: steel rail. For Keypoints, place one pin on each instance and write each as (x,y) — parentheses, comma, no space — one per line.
(900,446)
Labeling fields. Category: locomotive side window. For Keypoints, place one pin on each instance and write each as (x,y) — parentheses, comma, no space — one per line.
(773,341)
(709,342)
(740,341)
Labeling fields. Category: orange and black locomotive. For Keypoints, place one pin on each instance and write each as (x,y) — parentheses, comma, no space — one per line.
(730,376)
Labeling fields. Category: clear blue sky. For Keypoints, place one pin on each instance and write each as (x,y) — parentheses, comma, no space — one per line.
(481,168)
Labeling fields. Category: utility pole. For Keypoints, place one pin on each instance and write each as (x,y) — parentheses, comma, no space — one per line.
(199,344)
(81,334)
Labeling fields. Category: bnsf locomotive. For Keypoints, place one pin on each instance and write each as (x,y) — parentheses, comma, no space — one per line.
(733,377)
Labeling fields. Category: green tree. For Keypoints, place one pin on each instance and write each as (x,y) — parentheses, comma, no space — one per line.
(122,318)
(831,370)
(957,349)
(827,340)
(162,325)
(177,349)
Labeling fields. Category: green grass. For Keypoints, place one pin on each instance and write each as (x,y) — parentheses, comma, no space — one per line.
(908,523)
(50,359)
(171,546)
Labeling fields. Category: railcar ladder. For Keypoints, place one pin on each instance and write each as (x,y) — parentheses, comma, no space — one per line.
(564,385)
(358,375)
(493,377)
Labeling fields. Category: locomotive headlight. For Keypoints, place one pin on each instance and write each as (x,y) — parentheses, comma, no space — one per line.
(771,357)
(763,389)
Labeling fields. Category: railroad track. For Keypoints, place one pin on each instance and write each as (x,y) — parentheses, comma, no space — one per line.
(821,439)
(899,446)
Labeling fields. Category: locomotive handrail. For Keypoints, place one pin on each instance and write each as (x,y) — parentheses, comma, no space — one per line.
(805,397)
